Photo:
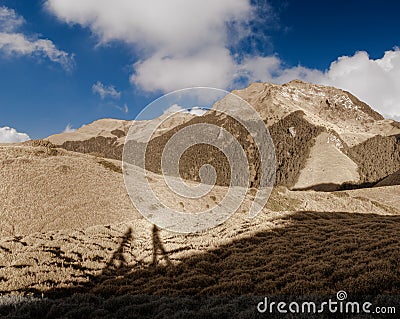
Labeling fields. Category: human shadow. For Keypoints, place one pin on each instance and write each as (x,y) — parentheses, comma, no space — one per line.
(306,254)
(118,262)
(158,247)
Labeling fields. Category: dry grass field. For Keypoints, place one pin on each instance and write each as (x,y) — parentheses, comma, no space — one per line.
(44,189)
(309,253)
(112,271)
(117,265)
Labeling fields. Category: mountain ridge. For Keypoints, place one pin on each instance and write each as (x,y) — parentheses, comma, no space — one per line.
(350,130)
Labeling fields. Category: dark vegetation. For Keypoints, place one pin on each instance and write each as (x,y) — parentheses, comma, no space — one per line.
(196,156)
(393,179)
(109,165)
(105,146)
(377,157)
(312,254)
(291,151)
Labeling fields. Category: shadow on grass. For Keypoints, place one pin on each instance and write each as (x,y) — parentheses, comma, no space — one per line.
(315,254)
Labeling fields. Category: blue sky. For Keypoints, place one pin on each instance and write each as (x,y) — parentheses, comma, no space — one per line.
(70,62)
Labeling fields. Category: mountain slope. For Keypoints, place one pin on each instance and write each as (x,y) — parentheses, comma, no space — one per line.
(43,188)
(323,136)
(106,137)
(325,106)
(367,145)
(393,179)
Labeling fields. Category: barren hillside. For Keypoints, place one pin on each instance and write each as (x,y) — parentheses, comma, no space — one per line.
(44,188)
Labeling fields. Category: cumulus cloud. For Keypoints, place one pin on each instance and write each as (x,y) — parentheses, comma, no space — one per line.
(375,81)
(17,43)
(272,69)
(105,91)
(212,67)
(174,25)
(181,43)
(10,135)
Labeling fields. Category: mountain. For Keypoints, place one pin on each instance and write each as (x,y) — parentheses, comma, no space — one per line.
(104,137)
(325,138)
(339,139)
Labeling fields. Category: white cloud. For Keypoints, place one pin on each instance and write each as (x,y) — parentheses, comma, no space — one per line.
(19,44)
(10,135)
(16,43)
(173,26)
(69,129)
(197,111)
(181,43)
(126,108)
(272,69)
(213,67)
(105,90)
(376,82)
(10,20)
